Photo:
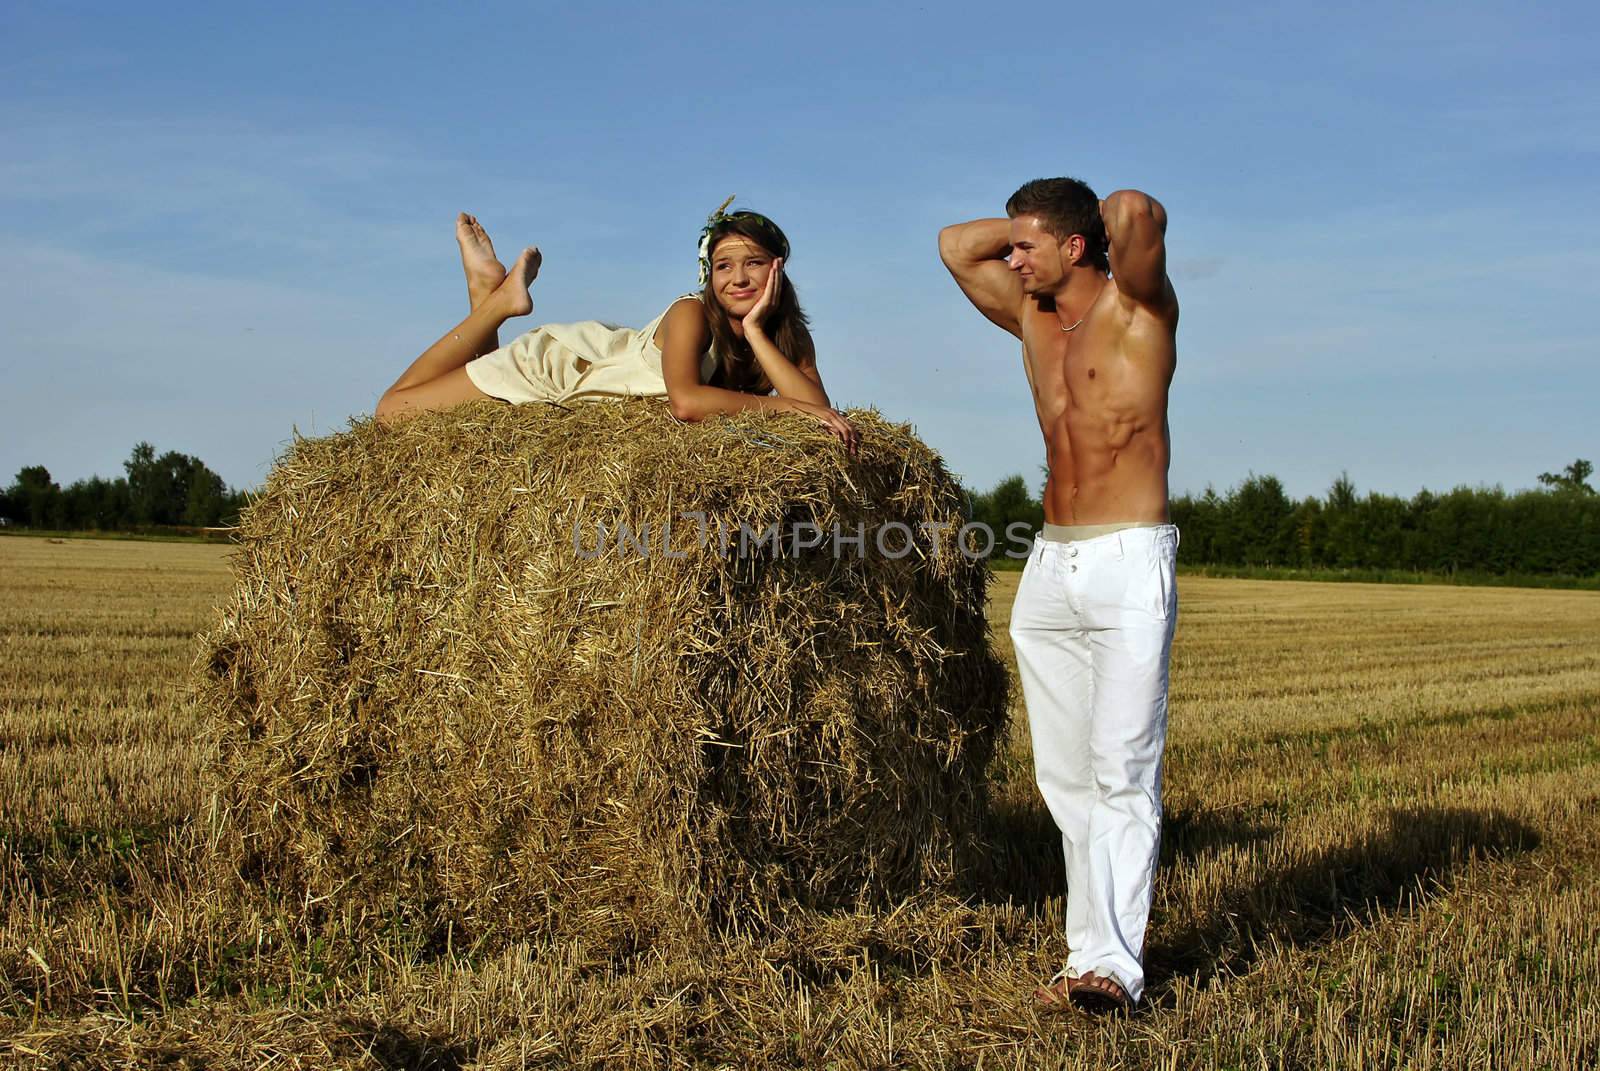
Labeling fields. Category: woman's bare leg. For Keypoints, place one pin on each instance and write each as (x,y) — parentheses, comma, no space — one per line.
(484,272)
(460,344)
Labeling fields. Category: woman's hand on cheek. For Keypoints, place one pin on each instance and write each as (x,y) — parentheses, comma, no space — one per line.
(754,319)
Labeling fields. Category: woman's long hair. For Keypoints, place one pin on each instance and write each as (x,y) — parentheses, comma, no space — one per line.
(786,325)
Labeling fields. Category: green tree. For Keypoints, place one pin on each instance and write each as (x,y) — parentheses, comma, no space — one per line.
(95,503)
(1262,521)
(173,488)
(1574,478)
(1308,531)
(1344,539)
(1381,522)
(206,498)
(1470,529)
(149,496)
(1200,520)
(35,498)
(232,506)
(1006,504)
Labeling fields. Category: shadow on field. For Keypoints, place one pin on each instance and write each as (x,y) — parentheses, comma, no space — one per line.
(1022,862)
(399,1049)
(1334,889)
(1025,865)
(69,863)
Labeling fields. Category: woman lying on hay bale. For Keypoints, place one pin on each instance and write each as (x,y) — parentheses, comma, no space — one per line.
(723,350)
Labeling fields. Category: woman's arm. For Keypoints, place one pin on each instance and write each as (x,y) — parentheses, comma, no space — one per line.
(682,337)
(792,376)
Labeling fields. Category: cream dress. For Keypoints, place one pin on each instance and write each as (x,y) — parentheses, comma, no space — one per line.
(578,362)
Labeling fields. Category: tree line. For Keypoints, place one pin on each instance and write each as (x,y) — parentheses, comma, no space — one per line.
(169,490)
(1553,530)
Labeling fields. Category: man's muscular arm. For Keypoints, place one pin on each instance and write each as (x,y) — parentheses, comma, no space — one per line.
(976,254)
(1136,227)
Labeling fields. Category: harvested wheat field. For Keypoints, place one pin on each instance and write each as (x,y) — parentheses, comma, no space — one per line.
(1380,850)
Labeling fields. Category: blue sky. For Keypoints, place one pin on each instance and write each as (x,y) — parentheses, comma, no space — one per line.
(220,224)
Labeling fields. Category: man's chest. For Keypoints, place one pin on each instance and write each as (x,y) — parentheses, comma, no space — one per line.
(1069,367)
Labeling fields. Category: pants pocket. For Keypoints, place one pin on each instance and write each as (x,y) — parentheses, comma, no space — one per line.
(1162,582)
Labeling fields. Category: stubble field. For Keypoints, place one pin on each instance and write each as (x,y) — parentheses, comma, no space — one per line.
(1380,850)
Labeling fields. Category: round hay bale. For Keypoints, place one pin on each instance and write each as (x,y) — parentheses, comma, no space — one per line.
(442,698)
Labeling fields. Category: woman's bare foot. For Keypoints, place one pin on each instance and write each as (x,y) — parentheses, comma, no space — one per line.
(512,293)
(483,268)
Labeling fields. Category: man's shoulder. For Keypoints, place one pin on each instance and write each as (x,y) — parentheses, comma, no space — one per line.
(1036,322)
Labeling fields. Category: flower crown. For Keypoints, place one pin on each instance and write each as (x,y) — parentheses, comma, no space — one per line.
(713,221)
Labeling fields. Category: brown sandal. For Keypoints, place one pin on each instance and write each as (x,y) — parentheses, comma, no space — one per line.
(1097,995)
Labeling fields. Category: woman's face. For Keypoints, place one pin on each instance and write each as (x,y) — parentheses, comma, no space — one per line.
(739,270)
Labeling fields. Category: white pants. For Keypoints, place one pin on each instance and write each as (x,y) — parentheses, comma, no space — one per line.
(1092,626)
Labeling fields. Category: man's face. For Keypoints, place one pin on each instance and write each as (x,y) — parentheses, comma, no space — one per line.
(1037,256)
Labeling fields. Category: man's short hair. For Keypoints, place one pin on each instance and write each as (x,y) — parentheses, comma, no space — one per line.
(1065,206)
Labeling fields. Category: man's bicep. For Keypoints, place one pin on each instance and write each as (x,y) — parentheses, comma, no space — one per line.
(1141,274)
(1138,234)
(993,290)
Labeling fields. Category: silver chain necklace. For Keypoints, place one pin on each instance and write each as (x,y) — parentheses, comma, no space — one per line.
(1086,312)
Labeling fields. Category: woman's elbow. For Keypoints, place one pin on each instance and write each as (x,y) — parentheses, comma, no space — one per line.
(389,408)
(684,408)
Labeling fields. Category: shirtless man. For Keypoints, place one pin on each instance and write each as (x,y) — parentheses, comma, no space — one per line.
(1094,614)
